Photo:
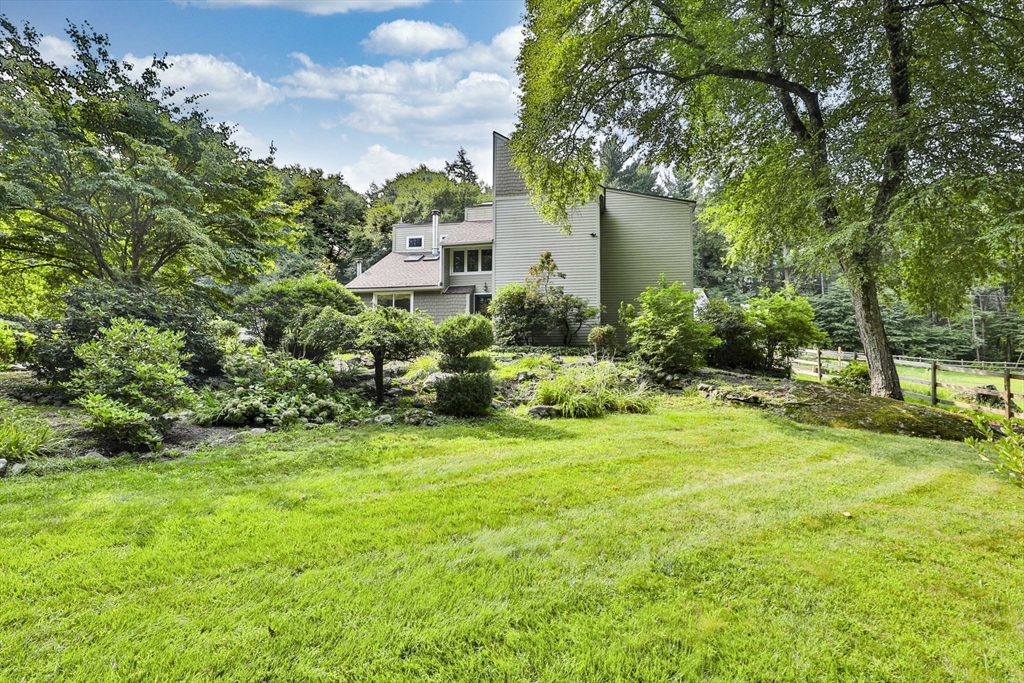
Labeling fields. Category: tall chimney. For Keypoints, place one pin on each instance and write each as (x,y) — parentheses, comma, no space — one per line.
(359,267)
(434,218)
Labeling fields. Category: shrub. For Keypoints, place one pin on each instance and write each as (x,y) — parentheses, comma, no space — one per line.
(463,342)
(785,324)
(316,333)
(603,340)
(422,367)
(391,334)
(136,365)
(94,304)
(120,426)
(465,395)
(461,335)
(1005,452)
(663,333)
(518,311)
(270,309)
(854,376)
(22,440)
(278,373)
(593,390)
(738,333)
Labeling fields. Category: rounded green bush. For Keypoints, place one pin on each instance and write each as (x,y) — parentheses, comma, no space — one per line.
(465,395)
(462,335)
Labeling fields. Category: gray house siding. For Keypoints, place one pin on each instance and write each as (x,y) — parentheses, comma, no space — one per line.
(480,213)
(457,279)
(507,181)
(401,232)
(520,236)
(441,306)
(641,238)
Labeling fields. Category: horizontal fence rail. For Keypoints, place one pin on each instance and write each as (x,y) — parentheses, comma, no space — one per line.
(825,363)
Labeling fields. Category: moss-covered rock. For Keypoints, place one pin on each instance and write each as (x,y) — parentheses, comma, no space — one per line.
(829,406)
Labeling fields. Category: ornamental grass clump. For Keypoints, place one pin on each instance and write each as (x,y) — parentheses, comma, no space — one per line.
(593,390)
(21,440)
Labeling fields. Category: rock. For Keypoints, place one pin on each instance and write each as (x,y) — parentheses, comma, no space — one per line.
(258,430)
(3,467)
(18,468)
(394,391)
(524,376)
(384,419)
(542,412)
(435,377)
(93,455)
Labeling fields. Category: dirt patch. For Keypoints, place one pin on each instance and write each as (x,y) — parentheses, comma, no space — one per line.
(829,406)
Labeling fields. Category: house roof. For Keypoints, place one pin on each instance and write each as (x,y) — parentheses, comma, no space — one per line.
(393,272)
(468,232)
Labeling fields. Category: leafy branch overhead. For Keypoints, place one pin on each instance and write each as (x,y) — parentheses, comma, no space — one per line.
(104,177)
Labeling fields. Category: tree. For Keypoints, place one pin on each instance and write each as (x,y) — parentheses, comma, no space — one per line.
(269,310)
(569,313)
(461,170)
(104,178)
(330,217)
(784,324)
(620,173)
(878,138)
(389,334)
(410,197)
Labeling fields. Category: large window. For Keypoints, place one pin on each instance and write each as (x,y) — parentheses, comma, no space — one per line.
(472,260)
(401,300)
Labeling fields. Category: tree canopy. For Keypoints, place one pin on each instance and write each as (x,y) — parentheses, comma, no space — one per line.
(878,138)
(104,177)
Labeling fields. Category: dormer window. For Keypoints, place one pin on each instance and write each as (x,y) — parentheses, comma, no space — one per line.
(413,243)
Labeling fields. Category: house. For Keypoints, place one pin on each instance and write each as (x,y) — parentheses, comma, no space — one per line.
(620,243)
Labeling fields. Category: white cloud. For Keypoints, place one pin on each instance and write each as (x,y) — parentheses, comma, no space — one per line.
(458,98)
(227,87)
(379,163)
(318,7)
(57,50)
(405,37)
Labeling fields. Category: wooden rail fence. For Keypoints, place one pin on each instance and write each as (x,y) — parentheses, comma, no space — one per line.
(823,363)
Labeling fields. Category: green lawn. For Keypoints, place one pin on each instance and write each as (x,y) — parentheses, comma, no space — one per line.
(699,543)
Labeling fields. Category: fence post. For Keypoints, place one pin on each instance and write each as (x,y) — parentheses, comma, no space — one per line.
(935,388)
(1009,394)
(819,365)
(839,357)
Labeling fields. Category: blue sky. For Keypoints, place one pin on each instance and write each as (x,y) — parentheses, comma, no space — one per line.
(362,87)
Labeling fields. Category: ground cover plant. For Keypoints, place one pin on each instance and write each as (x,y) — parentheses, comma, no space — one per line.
(699,542)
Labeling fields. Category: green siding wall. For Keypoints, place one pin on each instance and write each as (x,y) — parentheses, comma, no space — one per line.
(642,237)
(520,236)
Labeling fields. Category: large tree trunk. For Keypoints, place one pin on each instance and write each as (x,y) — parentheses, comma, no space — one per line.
(866,309)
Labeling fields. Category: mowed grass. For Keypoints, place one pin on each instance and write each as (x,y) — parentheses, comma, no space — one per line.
(699,543)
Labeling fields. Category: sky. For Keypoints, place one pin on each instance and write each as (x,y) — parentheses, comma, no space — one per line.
(366,88)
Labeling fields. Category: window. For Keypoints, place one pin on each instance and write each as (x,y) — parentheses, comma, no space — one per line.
(413,242)
(472,261)
(401,300)
(481,302)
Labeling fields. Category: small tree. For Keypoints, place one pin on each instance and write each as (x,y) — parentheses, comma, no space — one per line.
(663,333)
(603,339)
(568,313)
(785,324)
(541,273)
(318,332)
(391,334)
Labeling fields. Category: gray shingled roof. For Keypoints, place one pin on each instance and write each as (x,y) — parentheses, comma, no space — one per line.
(468,232)
(394,271)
